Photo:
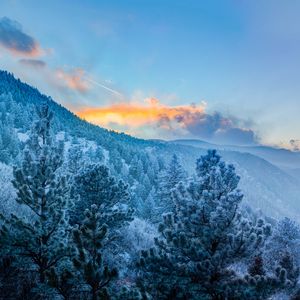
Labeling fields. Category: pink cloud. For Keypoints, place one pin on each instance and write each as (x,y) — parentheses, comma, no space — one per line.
(73,79)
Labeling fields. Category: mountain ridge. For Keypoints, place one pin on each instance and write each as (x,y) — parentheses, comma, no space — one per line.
(264,184)
(279,156)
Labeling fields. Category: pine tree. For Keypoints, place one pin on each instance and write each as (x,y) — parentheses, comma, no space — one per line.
(167,181)
(9,143)
(88,260)
(94,185)
(148,209)
(44,192)
(135,169)
(203,238)
(115,161)
(285,239)
(75,159)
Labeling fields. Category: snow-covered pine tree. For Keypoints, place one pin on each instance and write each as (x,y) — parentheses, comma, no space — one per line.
(136,170)
(74,159)
(201,241)
(282,253)
(95,185)
(42,238)
(285,239)
(148,208)
(88,260)
(9,143)
(167,181)
(115,161)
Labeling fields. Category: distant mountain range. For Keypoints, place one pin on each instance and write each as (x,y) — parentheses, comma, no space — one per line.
(269,176)
(283,158)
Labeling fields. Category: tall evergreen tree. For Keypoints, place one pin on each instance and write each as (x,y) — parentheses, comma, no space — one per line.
(285,239)
(40,188)
(9,143)
(88,260)
(148,209)
(202,240)
(167,181)
(136,170)
(95,185)
(75,159)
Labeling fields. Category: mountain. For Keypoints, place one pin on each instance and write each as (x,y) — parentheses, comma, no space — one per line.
(268,177)
(283,158)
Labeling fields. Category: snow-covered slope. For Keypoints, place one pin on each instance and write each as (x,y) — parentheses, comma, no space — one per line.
(266,177)
(266,187)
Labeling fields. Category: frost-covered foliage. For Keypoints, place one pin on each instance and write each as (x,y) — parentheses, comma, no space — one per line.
(43,237)
(88,259)
(140,235)
(285,239)
(168,180)
(94,185)
(203,238)
(9,144)
(44,193)
(7,192)
(282,251)
(86,204)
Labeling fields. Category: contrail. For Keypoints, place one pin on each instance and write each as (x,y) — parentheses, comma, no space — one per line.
(104,87)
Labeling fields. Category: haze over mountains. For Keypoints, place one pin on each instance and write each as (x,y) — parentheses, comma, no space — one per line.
(280,157)
(269,177)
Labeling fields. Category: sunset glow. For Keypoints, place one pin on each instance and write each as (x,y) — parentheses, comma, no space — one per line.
(137,114)
(241,57)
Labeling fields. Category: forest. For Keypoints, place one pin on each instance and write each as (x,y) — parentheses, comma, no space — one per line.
(87,213)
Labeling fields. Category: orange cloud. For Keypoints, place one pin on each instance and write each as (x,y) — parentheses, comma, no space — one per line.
(154,119)
(73,79)
(151,112)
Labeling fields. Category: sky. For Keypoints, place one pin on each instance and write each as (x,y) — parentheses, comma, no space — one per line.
(220,71)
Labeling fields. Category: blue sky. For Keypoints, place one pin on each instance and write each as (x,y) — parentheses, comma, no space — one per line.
(237,62)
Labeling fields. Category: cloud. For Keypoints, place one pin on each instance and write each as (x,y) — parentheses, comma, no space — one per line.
(136,114)
(235,135)
(73,79)
(79,80)
(14,39)
(189,121)
(216,127)
(35,63)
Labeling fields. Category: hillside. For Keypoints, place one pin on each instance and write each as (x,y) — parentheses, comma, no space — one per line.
(265,184)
